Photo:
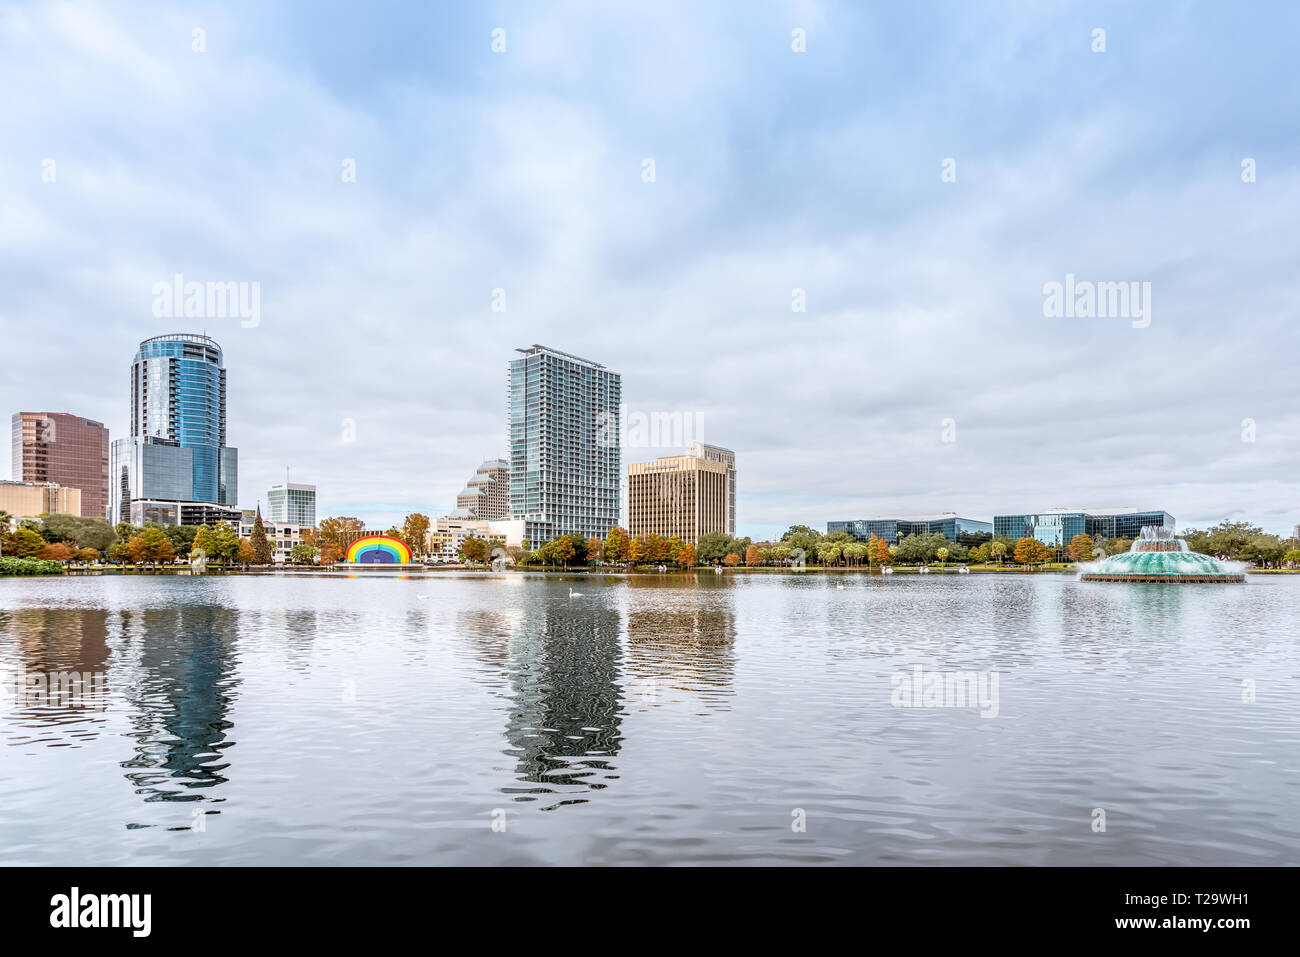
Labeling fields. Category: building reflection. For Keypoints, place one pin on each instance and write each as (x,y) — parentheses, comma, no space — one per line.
(60,656)
(185,678)
(564,728)
(681,640)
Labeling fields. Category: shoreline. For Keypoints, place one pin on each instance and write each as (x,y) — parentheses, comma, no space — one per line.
(417,569)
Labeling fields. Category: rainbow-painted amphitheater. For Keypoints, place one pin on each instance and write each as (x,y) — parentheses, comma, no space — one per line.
(378,550)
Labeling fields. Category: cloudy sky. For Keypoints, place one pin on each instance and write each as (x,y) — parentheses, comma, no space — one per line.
(922,375)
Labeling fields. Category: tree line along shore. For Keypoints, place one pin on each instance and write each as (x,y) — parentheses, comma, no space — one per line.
(51,543)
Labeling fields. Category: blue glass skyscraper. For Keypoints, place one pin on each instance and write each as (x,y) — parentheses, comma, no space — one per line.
(177,451)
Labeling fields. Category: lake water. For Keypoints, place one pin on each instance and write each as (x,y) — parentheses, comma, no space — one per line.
(657,719)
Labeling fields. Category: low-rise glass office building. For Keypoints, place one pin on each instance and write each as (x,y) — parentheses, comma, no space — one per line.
(948,524)
(1056,526)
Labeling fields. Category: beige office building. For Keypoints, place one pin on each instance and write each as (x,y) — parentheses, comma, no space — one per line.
(30,499)
(682,495)
(487,495)
(715,453)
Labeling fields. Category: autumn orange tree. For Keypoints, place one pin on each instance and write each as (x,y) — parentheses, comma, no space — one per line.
(152,546)
(656,549)
(751,556)
(1030,551)
(56,552)
(339,532)
(595,548)
(686,555)
(1081,548)
(731,560)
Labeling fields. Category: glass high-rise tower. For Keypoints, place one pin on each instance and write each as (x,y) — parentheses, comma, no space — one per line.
(564,445)
(177,454)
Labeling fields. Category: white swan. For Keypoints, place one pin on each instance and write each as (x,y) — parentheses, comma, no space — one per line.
(574,594)
(422,597)
(839,584)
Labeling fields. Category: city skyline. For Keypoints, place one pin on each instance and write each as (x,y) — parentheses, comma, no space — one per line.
(693,448)
(773,172)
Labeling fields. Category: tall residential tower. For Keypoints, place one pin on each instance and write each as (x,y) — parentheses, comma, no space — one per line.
(176,468)
(564,445)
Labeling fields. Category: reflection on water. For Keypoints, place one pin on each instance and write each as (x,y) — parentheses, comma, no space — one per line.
(184,665)
(55,675)
(670,718)
(565,717)
(681,638)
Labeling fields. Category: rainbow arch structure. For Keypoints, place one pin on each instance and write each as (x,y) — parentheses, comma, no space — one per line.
(378,550)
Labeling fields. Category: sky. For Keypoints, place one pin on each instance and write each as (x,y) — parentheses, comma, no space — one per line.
(659,188)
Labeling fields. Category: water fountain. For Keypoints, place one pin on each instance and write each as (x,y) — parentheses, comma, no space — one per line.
(1156,556)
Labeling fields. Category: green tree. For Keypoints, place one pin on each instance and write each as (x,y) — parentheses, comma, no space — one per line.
(225,543)
(302,555)
(83,532)
(998,550)
(800,536)
(941,553)
(261,547)
(182,538)
(204,541)
(828,553)
(713,546)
